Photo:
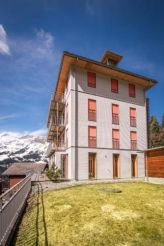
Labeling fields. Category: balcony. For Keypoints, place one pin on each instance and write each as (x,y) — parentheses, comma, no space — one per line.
(115,119)
(92,115)
(56,126)
(133,121)
(56,146)
(133,144)
(116,143)
(92,142)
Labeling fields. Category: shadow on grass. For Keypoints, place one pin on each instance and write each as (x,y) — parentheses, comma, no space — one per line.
(29,231)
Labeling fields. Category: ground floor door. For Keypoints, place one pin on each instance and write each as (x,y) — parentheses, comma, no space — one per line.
(92,165)
(134,167)
(115,165)
(64,166)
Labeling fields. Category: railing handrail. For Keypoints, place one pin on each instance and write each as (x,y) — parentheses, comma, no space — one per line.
(19,186)
(12,203)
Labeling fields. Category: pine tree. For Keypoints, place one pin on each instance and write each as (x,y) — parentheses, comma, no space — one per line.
(154,125)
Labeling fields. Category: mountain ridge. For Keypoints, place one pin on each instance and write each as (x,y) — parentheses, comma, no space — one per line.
(17,147)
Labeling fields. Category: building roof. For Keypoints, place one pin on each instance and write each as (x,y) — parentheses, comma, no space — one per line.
(24,168)
(69,60)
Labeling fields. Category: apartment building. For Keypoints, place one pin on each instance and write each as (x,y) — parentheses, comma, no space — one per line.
(97,120)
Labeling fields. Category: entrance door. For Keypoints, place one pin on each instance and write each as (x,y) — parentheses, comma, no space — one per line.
(115,165)
(92,165)
(134,166)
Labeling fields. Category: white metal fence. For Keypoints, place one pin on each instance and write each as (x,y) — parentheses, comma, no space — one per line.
(11,204)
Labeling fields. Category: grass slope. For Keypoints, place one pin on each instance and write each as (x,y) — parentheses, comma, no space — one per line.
(87,215)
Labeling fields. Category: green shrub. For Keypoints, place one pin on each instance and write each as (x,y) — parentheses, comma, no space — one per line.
(54,173)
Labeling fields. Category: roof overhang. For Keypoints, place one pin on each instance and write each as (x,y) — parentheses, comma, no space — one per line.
(69,60)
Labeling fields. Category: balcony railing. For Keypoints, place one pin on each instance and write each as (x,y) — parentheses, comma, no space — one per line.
(115,119)
(133,144)
(61,146)
(92,115)
(92,142)
(116,143)
(133,121)
(56,146)
(11,204)
(56,121)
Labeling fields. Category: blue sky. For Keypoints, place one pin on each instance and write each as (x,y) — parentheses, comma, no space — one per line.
(33,35)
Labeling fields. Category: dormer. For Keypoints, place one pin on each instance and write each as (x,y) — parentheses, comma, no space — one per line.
(111,58)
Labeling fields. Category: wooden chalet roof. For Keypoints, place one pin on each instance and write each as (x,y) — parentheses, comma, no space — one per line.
(69,60)
(24,168)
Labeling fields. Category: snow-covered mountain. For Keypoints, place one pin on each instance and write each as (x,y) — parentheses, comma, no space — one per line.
(16,147)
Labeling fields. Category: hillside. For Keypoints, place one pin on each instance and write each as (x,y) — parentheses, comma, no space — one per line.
(15,147)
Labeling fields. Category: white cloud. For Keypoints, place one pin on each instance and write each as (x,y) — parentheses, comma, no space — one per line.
(4,47)
(8,116)
(39,132)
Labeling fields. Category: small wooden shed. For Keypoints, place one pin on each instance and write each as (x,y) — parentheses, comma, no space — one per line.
(18,171)
(154,162)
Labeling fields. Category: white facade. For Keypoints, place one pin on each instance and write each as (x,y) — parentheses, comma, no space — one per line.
(76,98)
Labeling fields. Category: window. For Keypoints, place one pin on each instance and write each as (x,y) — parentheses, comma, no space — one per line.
(91,79)
(114,85)
(133,117)
(115,139)
(92,140)
(115,114)
(132,90)
(133,138)
(91,110)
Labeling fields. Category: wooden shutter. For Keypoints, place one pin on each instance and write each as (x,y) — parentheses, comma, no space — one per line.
(115,134)
(133,136)
(115,109)
(91,104)
(114,85)
(132,91)
(92,131)
(133,112)
(91,79)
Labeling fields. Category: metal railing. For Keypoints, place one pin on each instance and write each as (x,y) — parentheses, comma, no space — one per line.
(133,121)
(92,142)
(116,143)
(115,119)
(57,120)
(133,144)
(92,115)
(11,204)
(59,145)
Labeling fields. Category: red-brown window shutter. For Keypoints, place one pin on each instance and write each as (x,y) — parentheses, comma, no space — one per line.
(114,85)
(133,136)
(91,79)
(132,90)
(115,109)
(133,112)
(92,136)
(115,134)
(91,110)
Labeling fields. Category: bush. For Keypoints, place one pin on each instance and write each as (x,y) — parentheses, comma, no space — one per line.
(54,173)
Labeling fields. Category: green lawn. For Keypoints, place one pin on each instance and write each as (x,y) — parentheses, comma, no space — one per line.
(87,215)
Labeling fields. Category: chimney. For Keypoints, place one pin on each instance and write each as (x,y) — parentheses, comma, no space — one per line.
(111,58)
